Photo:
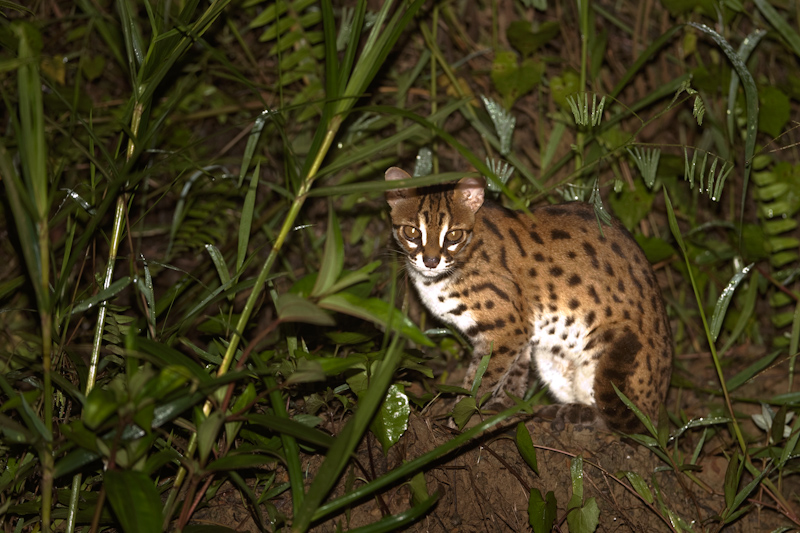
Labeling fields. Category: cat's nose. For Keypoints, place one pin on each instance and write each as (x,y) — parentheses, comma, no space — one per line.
(430,262)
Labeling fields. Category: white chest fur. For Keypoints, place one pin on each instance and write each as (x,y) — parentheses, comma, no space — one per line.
(434,297)
(557,345)
(563,363)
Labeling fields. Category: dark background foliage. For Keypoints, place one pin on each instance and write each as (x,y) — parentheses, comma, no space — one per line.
(197,284)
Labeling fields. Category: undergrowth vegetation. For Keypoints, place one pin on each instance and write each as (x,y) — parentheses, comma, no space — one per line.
(197,288)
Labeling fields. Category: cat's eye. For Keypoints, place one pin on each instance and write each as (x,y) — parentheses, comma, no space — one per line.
(411,233)
(454,236)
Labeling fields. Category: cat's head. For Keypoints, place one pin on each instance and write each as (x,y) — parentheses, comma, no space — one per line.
(433,224)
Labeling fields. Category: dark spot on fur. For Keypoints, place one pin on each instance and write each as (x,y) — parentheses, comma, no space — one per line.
(458,310)
(594,295)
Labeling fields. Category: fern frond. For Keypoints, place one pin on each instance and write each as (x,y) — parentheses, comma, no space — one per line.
(716,181)
(647,162)
(503,121)
(581,113)
(501,169)
(597,202)
(424,163)
(698,110)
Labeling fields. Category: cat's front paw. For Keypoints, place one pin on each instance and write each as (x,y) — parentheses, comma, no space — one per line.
(579,415)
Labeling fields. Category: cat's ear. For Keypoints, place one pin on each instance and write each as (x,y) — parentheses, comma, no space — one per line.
(395,195)
(471,192)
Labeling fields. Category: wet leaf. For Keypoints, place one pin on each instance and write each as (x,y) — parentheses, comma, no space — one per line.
(102,296)
(391,420)
(640,486)
(724,301)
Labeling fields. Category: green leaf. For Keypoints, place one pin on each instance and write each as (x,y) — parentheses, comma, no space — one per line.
(246,221)
(13,432)
(300,431)
(333,366)
(419,487)
(391,420)
(673,223)
(576,475)
(479,372)
(145,287)
(134,498)
(640,486)
(307,371)
(655,248)
(730,513)
(526,448)
(463,411)
(349,437)
(724,301)
(748,373)
(100,404)
(294,308)
(643,418)
(353,278)
(585,518)
(780,23)
(377,311)
(102,296)
(563,86)
(219,263)
(514,80)
(632,205)
(751,101)
(525,40)
(207,433)
(732,476)
(333,257)
(542,511)
(169,379)
(775,110)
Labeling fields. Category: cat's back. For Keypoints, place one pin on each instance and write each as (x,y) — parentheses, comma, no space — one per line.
(567,259)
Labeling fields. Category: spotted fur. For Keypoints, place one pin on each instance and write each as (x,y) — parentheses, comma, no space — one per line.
(546,287)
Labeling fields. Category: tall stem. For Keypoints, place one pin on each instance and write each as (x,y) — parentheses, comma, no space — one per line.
(249,306)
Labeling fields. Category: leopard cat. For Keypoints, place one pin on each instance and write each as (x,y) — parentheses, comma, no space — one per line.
(551,286)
